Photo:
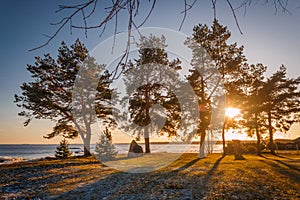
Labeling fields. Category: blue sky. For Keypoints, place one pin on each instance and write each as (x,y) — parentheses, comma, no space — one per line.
(270,39)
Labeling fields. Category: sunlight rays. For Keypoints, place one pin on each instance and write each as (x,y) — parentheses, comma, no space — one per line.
(232,112)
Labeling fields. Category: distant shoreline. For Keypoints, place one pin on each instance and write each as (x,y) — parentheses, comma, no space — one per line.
(123,143)
(165,142)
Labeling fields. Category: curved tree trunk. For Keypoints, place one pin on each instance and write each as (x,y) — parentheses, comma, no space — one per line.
(86,140)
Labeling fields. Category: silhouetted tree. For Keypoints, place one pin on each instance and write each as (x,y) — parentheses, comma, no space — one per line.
(50,94)
(227,58)
(252,100)
(281,103)
(147,80)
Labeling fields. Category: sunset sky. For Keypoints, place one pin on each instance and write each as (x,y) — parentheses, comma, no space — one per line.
(268,38)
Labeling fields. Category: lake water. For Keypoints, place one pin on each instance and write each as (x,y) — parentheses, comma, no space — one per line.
(29,151)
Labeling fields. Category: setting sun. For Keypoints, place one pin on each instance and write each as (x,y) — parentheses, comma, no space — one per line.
(232,112)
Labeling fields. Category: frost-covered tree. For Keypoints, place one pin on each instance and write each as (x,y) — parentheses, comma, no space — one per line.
(104,148)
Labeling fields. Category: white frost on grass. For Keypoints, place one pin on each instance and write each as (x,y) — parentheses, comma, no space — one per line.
(9,160)
(142,164)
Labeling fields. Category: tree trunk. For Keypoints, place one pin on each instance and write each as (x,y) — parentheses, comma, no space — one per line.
(257,136)
(223,137)
(202,120)
(86,151)
(86,142)
(272,146)
(202,144)
(146,129)
(147,140)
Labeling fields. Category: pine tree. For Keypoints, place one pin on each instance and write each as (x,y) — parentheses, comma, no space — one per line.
(104,148)
(252,98)
(211,45)
(269,105)
(62,151)
(152,73)
(280,103)
(52,94)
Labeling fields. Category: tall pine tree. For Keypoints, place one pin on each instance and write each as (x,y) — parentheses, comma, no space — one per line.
(281,103)
(50,94)
(252,98)
(227,58)
(144,81)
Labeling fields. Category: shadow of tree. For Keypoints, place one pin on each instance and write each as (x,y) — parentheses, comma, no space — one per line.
(281,156)
(283,163)
(187,165)
(33,178)
(210,173)
(123,182)
(212,170)
(196,178)
(277,165)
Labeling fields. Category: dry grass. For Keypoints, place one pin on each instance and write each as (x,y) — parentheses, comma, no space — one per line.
(214,177)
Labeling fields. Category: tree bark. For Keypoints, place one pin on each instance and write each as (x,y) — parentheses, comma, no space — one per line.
(86,151)
(147,140)
(202,144)
(202,120)
(86,140)
(272,146)
(223,137)
(257,136)
(87,144)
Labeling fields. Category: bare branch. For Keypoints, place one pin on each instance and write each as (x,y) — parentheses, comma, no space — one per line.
(84,21)
(131,7)
(278,5)
(115,32)
(149,13)
(64,21)
(93,10)
(184,14)
(234,15)
(187,7)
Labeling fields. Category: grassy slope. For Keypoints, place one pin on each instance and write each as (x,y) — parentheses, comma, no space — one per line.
(214,177)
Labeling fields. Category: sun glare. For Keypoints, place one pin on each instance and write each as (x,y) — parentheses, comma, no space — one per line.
(232,112)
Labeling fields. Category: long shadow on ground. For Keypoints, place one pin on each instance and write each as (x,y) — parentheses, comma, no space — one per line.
(153,185)
(283,168)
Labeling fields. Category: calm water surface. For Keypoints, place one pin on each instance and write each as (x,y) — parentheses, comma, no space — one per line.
(29,151)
